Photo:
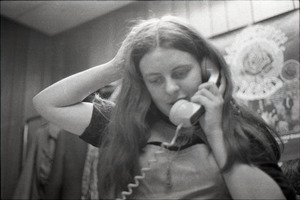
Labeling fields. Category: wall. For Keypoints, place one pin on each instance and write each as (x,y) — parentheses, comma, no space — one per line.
(97,41)
(281,32)
(25,60)
(31,61)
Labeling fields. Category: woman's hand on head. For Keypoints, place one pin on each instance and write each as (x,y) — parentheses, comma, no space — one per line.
(211,97)
(123,54)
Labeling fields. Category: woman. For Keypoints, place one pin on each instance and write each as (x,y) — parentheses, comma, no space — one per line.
(230,153)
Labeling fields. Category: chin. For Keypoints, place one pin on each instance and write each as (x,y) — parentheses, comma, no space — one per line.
(165,112)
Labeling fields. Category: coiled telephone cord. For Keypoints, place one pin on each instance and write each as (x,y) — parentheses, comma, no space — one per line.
(136,183)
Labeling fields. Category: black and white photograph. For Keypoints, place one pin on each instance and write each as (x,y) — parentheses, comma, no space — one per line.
(117,99)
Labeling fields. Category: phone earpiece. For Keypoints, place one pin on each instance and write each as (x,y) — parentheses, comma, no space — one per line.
(204,71)
(210,71)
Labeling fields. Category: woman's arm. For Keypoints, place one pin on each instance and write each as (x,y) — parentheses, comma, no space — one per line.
(61,103)
(243,181)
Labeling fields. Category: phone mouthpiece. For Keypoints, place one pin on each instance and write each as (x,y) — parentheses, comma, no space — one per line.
(183,112)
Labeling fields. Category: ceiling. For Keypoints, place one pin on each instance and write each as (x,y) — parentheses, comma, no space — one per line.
(53,17)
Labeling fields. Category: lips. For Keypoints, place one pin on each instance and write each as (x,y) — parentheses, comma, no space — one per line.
(173,102)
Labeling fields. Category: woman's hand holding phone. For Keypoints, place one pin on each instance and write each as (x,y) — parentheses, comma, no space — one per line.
(211,97)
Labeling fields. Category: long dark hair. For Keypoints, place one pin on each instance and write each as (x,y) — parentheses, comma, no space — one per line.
(128,130)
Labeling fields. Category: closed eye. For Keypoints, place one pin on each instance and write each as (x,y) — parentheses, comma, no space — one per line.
(156,80)
(180,73)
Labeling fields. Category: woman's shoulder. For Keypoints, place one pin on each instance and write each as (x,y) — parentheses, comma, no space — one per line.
(103,105)
(97,127)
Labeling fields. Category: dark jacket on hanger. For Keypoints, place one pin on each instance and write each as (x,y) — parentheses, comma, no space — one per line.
(38,163)
(65,180)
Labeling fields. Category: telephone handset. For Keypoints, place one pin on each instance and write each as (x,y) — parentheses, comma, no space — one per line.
(188,113)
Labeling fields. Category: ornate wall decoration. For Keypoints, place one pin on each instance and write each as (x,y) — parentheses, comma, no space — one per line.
(264,61)
(256,58)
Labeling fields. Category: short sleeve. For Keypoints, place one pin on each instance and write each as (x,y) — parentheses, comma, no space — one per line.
(93,134)
(262,160)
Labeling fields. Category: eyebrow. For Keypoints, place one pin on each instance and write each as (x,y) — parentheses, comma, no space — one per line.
(174,69)
(182,65)
(151,75)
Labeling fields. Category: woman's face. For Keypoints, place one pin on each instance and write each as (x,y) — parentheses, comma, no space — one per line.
(170,75)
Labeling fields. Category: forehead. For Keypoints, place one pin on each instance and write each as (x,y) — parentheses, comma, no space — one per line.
(160,60)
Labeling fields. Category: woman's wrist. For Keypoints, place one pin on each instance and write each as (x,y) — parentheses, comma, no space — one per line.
(107,73)
(216,142)
(118,66)
(215,138)
(117,62)
(214,133)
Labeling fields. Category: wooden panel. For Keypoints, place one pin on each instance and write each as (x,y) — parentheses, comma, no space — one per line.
(101,48)
(33,76)
(239,14)
(49,63)
(7,53)
(11,137)
(23,53)
(200,17)
(140,9)
(219,17)
(113,28)
(296,4)
(97,41)
(159,8)
(57,70)
(76,54)
(266,9)
(180,9)
(13,155)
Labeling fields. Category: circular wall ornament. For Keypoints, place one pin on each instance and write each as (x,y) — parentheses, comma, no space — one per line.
(256,58)
(290,70)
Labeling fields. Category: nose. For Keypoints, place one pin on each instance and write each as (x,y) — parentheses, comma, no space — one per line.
(171,86)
